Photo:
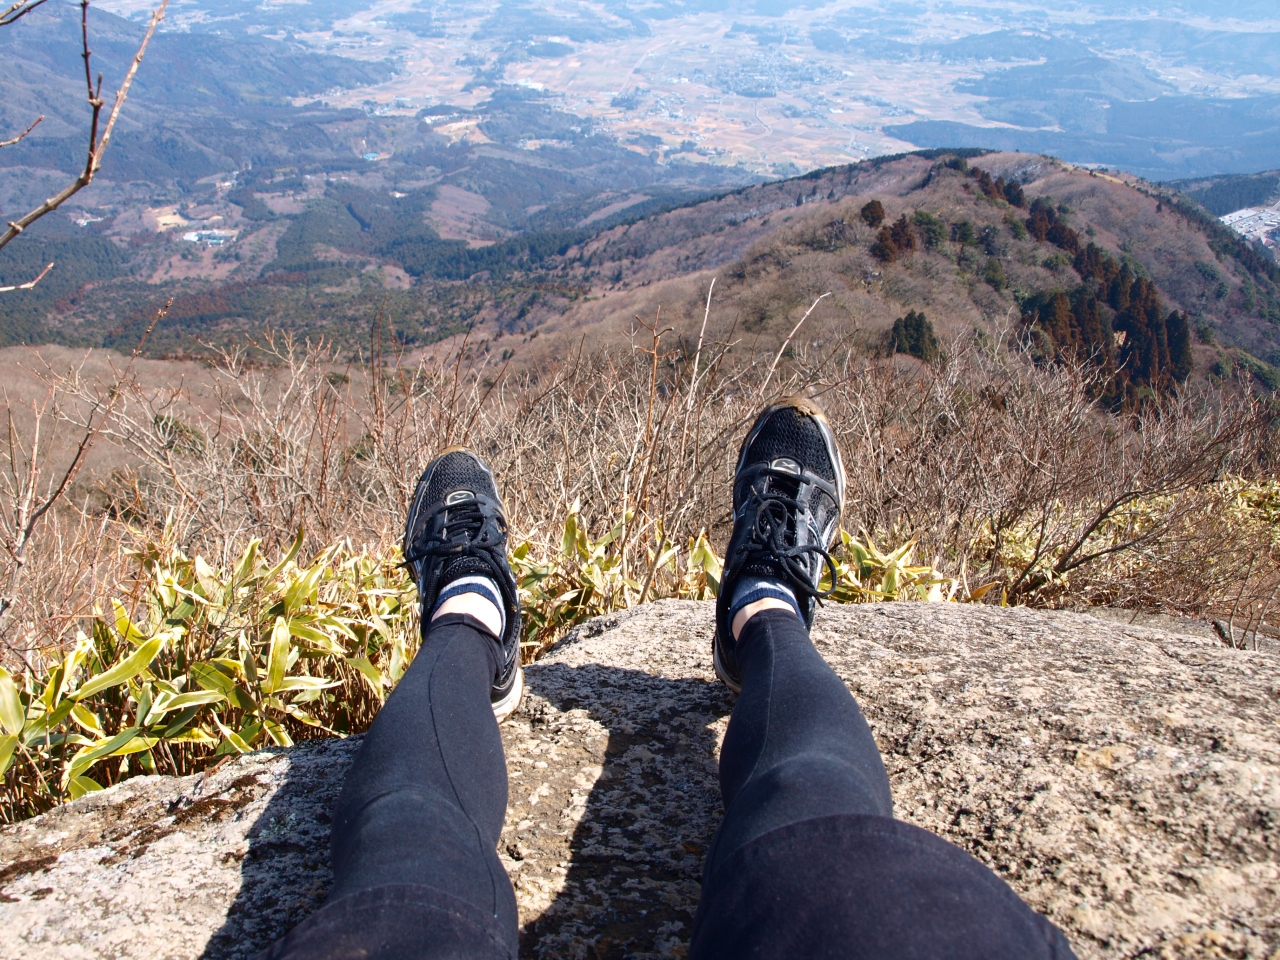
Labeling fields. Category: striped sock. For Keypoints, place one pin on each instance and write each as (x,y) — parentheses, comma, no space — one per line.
(751,589)
(475,583)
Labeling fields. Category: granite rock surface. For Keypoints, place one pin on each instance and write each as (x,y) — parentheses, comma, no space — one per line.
(1125,780)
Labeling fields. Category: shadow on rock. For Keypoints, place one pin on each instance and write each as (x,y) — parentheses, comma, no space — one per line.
(285,871)
(635,857)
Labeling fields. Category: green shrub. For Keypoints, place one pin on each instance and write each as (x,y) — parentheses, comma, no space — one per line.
(932,229)
(993,273)
(913,334)
(201,663)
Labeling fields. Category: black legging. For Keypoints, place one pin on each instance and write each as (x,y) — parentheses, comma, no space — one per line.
(808,862)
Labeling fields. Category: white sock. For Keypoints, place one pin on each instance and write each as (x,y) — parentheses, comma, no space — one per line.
(475,583)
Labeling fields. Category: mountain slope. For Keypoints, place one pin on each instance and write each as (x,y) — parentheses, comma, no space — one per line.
(776,248)
(1111,269)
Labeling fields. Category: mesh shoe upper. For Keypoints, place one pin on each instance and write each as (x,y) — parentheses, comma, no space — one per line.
(788,494)
(457,527)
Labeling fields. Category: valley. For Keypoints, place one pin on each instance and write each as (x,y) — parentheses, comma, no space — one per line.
(299,167)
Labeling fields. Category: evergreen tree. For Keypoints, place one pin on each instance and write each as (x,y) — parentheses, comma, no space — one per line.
(1145,355)
(932,229)
(1059,321)
(1112,303)
(884,248)
(1061,235)
(1041,219)
(873,214)
(1096,340)
(904,238)
(913,335)
(993,273)
(1179,330)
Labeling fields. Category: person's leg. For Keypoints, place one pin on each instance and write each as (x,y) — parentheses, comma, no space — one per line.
(797,746)
(415,832)
(415,866)
(809,862)
(426,796)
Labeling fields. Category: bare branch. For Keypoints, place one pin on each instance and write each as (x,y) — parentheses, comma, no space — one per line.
(30,284)
(787,342)
(32,508)
(17,10)
(97,144)
(34,123)
(697,354)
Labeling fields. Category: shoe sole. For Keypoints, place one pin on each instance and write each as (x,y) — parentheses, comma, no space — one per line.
(721,672)
(504,708)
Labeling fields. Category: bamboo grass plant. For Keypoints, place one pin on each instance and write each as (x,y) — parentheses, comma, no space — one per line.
(201,663)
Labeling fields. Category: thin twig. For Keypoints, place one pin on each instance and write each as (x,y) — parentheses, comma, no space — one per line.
(34,124)
(18,10)
(697,354)
(1262,617)
(1231,621)
(97,145)
(30,511)
(30,284)
(787,342)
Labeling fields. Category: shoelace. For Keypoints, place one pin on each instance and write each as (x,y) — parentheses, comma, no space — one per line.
(767,541)
(475,531)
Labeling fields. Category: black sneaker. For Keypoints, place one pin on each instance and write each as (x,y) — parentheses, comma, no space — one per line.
(456,528)
(788,494)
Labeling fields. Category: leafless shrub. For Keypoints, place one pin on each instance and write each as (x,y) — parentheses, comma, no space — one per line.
(32,487)
(1011,478)
(1010,473)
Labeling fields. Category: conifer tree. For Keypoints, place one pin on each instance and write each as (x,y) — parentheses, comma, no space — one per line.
(884,248)
(931,227)
(904,238)
(913,335)
(1180,355)
(873,214)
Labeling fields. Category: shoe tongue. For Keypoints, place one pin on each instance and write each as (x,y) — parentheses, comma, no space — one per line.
(784,478)
(462,515)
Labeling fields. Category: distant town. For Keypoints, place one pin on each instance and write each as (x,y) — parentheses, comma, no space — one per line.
(1256,223)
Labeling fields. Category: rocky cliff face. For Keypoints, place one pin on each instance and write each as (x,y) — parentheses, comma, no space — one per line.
(1125,780)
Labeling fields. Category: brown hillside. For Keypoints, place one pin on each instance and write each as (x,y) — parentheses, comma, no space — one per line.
(773,249)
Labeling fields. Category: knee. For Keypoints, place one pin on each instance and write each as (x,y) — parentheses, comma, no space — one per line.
(802,787)
(398,822)
(816,785)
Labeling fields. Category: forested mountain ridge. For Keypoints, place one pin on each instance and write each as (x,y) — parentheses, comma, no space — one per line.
(1232,192)
(1126,274)
(220,133)
(1089,266)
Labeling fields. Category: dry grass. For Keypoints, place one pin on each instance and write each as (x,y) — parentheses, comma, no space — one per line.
(1002,476)
(1004,471)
